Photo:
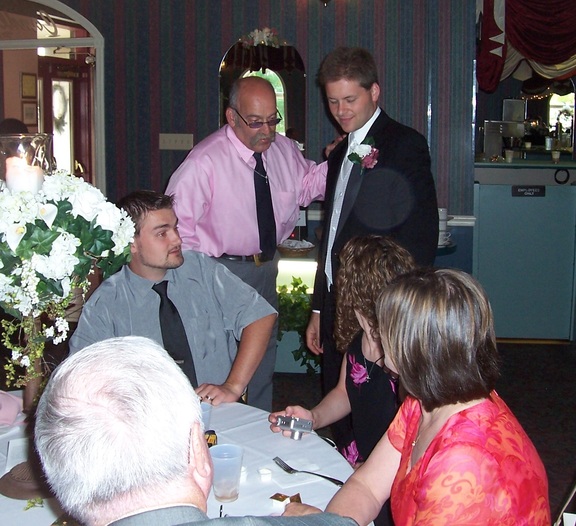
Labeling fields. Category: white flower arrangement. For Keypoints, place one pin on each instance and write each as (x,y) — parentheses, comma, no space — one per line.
(50,242)
(265,37)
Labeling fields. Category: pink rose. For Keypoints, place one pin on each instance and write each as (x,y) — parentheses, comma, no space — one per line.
(359,374)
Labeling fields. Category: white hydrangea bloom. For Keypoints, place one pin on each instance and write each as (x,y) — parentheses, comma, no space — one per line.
(16,210)
(60,185)
(61,261)
(6,287)
(26,297)
(124,234)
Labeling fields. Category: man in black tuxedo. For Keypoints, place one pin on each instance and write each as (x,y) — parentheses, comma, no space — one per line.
(387,189)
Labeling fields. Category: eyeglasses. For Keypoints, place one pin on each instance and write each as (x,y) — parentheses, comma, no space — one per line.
(256,125)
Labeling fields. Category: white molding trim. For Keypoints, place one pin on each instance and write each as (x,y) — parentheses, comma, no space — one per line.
(469,221)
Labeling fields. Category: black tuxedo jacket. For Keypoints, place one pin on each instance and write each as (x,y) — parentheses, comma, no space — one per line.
(396,198)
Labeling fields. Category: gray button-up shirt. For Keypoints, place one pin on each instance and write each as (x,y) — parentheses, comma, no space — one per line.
(214,304)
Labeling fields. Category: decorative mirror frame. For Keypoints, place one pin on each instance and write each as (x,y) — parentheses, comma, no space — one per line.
(276,55)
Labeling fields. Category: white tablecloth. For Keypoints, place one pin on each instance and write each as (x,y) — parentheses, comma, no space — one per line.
(235,424)
(249,428)
(13,450)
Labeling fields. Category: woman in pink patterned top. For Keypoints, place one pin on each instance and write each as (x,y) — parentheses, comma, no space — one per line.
(455,453)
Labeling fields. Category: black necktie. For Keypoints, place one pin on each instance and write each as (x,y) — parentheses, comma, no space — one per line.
(264,209)
(173,333)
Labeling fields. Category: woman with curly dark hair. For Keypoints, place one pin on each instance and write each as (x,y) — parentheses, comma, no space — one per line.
(366,390)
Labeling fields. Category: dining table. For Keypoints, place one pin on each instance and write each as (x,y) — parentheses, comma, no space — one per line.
(264,488)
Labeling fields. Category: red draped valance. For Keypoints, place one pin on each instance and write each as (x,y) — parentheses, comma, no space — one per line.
(542,30)
(525,34)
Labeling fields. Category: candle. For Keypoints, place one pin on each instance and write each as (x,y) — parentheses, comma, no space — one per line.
(20,177)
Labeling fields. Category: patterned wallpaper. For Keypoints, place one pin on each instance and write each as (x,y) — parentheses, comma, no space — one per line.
(163,57)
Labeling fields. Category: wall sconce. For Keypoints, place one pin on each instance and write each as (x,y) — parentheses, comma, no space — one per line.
(325,2)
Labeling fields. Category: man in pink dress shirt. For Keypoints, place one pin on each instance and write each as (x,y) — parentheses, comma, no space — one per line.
(215,199)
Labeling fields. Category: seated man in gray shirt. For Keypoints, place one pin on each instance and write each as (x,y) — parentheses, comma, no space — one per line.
(217,309)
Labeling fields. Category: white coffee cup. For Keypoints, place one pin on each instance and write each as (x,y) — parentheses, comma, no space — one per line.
(227,462)
(509,154)
(555,156)
(443,238)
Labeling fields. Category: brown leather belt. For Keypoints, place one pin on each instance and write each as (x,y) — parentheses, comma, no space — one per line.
(256,258)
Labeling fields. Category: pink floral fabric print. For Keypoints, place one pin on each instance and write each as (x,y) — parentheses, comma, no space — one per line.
(481,468)
(351,454)
(358,372)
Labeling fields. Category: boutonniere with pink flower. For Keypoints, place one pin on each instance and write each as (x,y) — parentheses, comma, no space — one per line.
(364,154)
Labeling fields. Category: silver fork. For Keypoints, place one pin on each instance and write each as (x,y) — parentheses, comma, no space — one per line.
(291,470)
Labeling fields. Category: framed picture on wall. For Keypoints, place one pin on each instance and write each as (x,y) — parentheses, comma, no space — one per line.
(30,113)
(28,86)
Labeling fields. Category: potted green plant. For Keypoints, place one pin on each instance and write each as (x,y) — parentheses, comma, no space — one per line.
(293,315)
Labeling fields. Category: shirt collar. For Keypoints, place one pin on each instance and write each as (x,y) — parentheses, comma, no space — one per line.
(357,136)
(141,286)
(245,153)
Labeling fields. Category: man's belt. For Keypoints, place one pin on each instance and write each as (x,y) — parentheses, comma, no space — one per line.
(256,258)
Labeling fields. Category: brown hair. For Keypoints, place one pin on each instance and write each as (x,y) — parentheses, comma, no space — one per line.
(437,329)
(139,203)
(367,264)
(350,63)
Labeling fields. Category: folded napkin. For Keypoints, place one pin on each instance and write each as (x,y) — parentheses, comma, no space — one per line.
(10,407)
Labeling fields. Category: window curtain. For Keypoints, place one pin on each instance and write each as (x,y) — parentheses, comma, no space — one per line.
(519,37)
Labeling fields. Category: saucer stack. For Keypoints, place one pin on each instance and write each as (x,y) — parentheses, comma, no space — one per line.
(443,234)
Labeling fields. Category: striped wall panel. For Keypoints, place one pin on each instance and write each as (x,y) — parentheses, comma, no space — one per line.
(163,57)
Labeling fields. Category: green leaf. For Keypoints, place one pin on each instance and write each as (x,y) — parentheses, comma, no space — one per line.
(36,241)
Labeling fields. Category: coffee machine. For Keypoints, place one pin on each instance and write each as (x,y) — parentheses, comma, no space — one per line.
(507,133)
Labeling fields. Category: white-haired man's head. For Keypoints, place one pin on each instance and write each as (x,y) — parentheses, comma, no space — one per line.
(114,428)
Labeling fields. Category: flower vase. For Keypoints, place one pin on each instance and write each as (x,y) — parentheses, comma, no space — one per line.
(33,385)
(32,389)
